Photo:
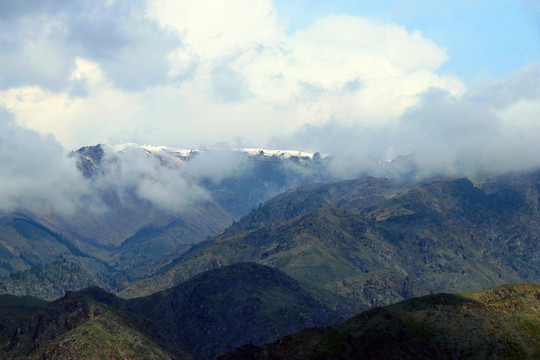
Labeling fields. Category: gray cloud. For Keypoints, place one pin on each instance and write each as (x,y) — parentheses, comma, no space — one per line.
(228,84)
(35,172)
(40,40)
(492,129)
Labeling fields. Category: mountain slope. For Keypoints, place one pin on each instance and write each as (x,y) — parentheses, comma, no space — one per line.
(203,317)
(444,235)
(54,280)
(15,309)
(216,311)
(132,234)
(25,243)
(501,323)
(84,325)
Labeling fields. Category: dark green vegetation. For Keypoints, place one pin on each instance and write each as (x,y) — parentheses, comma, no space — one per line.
(363,243)
(501,323)
(15,309)
(203,317)
(52,281)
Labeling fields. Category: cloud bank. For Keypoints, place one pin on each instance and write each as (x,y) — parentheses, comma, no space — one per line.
(36,173)
(181,73)
(491,129)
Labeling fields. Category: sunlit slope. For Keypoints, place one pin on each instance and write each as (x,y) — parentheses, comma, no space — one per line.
(500,323)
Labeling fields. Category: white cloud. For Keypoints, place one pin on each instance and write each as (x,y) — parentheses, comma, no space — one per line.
(213,29)
(75,121)
(491,129)
(36,173)
(237,73)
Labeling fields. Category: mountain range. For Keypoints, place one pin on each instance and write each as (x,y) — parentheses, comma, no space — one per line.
(370,242)
(129,237)
(203,317)
(500,323)
(250,245)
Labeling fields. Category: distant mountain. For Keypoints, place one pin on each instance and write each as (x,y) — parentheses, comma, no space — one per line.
(207,315)
(52,281)
(131,237)
(135,232)
(501,323)
(370,242)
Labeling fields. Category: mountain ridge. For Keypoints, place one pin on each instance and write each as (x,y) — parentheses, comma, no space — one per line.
(442,235)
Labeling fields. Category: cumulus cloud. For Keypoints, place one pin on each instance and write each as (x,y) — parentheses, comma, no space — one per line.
(182,73)
(491,129)
(40,41)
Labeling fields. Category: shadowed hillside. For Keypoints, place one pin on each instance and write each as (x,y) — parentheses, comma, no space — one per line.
(206,316)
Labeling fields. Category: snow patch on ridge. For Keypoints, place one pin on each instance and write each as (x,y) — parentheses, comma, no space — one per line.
(186,154)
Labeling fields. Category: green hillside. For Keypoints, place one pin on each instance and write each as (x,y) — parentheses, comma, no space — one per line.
(444,235)
(500,323)
(204,317)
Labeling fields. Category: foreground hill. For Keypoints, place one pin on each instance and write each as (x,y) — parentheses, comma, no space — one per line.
(206,316)
(368,244)
(15,309)
(501,323)
(85,325)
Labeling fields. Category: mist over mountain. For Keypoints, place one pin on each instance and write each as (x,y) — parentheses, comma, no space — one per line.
(490,130)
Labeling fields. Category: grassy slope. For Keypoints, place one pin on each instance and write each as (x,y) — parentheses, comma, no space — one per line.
(206,316)
(501,323)
(442,236)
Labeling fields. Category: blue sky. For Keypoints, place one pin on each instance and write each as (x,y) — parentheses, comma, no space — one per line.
(486,38)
